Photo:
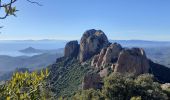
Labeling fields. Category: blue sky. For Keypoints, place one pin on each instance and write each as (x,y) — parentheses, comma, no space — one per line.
(68,19)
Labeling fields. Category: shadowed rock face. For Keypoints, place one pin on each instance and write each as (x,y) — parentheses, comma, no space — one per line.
(91,43)
(71,49)
(132,61)
(160,72)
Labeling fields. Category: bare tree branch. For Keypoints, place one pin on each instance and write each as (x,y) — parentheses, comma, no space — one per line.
(35,2)
(8,8)
(10,3)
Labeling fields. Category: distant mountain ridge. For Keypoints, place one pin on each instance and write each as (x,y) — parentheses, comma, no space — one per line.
(111,40)
(142,43)
(131,43)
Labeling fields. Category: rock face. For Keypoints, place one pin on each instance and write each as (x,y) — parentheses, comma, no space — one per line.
(92,80)
(132,61)
(107,56)
(91,43)
(104,72)
(71,49)
(95,60)
(112,53)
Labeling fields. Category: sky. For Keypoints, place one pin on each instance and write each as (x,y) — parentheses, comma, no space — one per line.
(68,19)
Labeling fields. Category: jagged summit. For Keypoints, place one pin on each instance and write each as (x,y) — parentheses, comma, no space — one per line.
(94,44)
(94,58)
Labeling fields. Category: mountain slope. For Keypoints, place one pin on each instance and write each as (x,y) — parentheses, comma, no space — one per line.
(66,76)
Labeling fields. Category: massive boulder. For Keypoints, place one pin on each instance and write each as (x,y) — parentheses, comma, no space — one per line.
(91,44)
(71,49)
(132,61)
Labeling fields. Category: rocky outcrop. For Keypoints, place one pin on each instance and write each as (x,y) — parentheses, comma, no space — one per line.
(92,80)
(104,72)
(91,44)
(112,54)
(132,61)
(100,59)
(94,44)
(71,49)
(107,56)
(121,60)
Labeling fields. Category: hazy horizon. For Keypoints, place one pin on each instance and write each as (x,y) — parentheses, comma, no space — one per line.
(79,40)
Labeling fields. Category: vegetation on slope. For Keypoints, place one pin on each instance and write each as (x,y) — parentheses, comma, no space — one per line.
(66,76)
(64,82)
(124,87)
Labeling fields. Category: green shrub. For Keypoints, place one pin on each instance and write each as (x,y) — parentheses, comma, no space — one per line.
(25,86)
(124,87)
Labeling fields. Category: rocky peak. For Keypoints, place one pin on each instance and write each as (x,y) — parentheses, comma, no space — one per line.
(71,49)
(91,43)
(94,43)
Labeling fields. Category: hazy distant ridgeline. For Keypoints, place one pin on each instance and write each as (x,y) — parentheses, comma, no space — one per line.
(142,43)
(12,47)
(11,57)
(8,63)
